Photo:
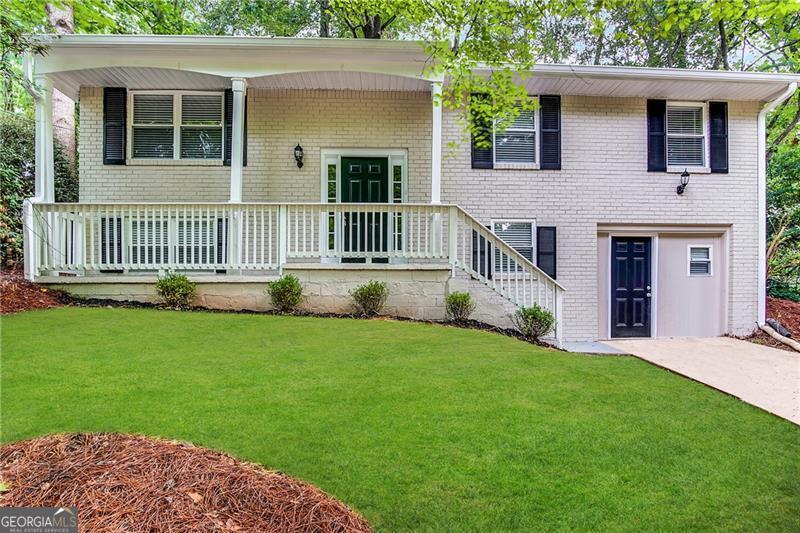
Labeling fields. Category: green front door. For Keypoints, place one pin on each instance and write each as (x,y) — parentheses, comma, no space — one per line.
(365,180)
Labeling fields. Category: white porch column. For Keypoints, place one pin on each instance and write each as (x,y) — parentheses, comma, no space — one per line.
(436,143)
(45,171)
(239,86)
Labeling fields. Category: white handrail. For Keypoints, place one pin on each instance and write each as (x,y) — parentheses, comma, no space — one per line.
(165,236)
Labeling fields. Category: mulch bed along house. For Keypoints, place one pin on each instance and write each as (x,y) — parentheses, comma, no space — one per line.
(133,483)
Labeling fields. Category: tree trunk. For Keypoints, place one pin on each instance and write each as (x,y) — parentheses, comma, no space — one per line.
(60,18)
(324,18)
(723,45)
(372,27)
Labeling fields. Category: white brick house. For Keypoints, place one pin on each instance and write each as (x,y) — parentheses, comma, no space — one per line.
(189,160)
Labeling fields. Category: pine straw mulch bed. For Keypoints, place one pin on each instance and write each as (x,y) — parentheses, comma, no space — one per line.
(787,313)
(18,294)
(133,483)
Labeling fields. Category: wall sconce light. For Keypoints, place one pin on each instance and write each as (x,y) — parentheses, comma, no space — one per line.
(684,181)
(298,155)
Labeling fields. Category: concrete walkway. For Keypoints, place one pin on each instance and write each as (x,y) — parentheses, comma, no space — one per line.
(765,377)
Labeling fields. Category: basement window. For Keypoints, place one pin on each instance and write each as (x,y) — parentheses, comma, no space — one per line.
(518,234)
(699,260)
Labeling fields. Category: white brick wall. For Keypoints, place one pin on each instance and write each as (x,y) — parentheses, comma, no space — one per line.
(603,180)
(276,122)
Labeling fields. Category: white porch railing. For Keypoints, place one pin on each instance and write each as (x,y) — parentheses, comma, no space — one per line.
(87,238)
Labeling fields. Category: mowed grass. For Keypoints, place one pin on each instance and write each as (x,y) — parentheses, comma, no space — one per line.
(416,426)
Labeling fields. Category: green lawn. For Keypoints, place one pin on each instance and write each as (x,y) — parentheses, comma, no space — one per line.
(416,426)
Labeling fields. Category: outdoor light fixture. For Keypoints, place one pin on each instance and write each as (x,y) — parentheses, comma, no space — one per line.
(684,181)
(298,155)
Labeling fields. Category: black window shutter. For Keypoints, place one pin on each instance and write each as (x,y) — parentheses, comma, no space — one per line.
(483,157)
(228,127)
(115,100)
(718,126)
(550,137)
(546,249)
(656,135)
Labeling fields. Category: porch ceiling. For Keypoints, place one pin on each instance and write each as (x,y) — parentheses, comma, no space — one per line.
(359,81)
(70,82)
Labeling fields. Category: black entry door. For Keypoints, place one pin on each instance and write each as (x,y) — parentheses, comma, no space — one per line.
(365,180)
(630,286)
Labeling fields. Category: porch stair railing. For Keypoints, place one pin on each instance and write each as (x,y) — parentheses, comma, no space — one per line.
(85,239)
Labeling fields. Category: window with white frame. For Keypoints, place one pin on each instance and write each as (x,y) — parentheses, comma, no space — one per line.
(699,260)
(686,135)
(176,125)
(516,143)
(518,234)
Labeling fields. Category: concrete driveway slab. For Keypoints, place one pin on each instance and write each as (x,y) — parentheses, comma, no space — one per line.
(759,375)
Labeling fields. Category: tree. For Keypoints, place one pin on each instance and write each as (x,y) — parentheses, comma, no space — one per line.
(272,18)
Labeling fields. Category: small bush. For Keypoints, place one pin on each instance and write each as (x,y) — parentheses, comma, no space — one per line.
(459,305)
(779,288)
(533,322)
(286,293)
(369,299)
(176,290)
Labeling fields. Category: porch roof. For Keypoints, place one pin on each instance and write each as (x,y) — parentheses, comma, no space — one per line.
(209,62)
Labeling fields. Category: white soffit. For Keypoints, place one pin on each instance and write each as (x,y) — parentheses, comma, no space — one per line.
(674,84)
(340,80)
(70,82)
(202,62)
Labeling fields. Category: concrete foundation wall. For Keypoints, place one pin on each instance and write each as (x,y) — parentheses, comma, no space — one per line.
(416,292)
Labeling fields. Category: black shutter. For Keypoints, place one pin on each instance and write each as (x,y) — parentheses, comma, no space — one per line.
(115,101)
(550,137)
(546,249)
(718,126)
(656,135)
(482,157)
(228,127)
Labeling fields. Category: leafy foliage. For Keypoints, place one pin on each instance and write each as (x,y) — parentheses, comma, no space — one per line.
(459,306)
(285,293)
(176,290)
(17,182)
(783,221)
(257,17)
(533,322)
(369,298)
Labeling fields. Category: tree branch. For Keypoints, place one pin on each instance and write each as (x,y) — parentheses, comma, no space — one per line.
(784,133)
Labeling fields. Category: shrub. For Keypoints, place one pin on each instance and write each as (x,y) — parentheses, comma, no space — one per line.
(533,322)
(459,305)
(17,156)
(176,290)
(286,293)
(369,299)
(786,289)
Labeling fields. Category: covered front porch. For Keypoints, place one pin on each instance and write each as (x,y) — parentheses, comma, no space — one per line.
(324,160)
